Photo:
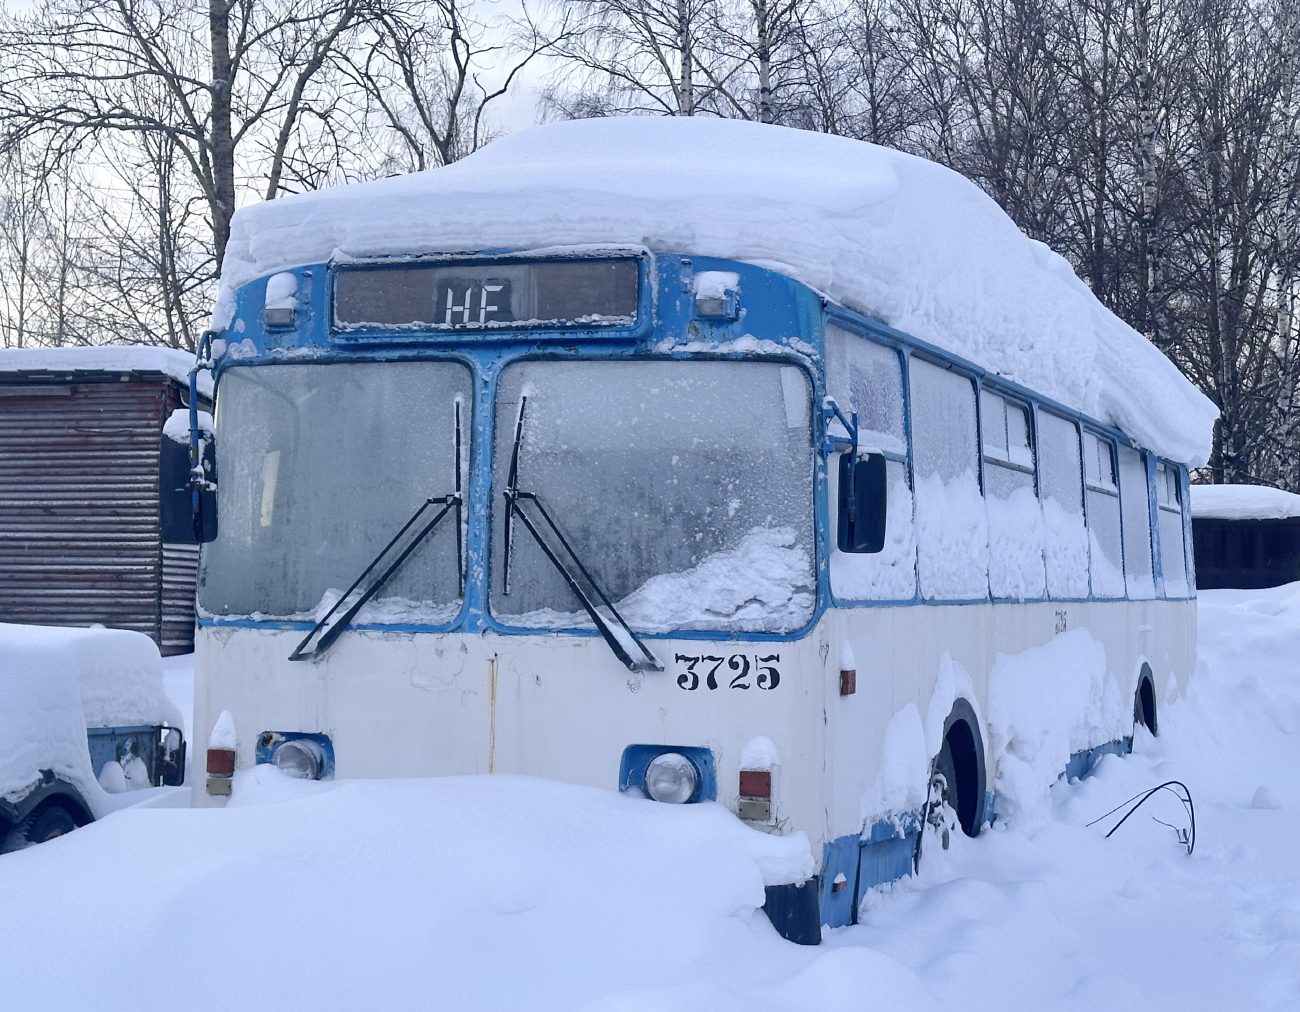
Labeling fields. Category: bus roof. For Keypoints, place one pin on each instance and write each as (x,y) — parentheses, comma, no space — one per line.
(898,238)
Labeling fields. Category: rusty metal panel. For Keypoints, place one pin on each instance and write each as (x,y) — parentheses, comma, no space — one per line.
(79,540)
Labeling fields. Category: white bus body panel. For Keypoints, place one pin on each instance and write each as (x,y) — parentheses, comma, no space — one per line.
(399,704)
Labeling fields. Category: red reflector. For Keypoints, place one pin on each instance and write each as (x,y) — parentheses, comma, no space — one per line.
(221,762)
(848,681)
(755,783)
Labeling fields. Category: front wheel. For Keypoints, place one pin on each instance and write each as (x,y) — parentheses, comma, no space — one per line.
(41,826)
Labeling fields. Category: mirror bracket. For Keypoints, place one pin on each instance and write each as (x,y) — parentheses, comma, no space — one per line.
(832,443)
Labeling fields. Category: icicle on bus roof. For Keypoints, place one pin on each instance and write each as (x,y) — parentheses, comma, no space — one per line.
(901,239)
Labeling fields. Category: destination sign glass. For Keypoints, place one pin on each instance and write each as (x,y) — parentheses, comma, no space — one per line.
(487,295)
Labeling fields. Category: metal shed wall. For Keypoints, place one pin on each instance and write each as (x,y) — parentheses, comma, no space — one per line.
(79,533)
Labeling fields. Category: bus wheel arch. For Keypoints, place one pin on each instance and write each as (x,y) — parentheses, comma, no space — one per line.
(961,762)
(1144,700)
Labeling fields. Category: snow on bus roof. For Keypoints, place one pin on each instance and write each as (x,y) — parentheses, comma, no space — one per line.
(1244,502)
(901,239)
(106,358)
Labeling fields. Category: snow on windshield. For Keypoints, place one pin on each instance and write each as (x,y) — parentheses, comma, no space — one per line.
(888,234)
(685,488)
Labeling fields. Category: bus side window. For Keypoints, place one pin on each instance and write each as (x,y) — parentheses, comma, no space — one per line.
(1135,505)
(952,525)
(1104,544)
(1015,519)
(1173,563)
(867,378)
(1061,491)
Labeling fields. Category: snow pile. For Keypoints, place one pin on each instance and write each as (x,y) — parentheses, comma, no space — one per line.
(453,893)
(1045,704)
(904,771)
(1244,502)
(106,358)
(177,426)
(119,672)
(1057,917)
(760,584)
(899,238)
(224,734)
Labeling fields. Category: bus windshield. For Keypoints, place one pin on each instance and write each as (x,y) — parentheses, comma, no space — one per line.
(684,488)
(320,466)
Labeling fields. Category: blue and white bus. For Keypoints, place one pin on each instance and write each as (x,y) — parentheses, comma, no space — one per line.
(644,515)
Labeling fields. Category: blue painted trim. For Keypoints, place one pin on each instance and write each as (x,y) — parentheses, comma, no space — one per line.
(883,852)
(1082,764)
(839,857)
(269,742)
(635,759)
(793,318)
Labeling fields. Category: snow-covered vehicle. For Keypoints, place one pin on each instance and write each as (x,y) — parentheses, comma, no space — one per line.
(83,717)
(703,459)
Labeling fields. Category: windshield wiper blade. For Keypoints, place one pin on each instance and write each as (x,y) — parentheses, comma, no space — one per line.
(624,643)
(451,502)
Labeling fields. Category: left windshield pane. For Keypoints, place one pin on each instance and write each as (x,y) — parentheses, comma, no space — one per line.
(320,465)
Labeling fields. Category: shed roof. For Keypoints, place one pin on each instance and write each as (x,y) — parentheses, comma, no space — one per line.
(112,358)
(1243,502)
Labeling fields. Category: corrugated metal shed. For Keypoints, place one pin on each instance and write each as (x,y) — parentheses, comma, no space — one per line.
(79,532)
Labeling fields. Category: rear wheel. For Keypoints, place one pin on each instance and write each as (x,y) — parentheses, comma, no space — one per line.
(961,764)
(42,825)
(1144,702)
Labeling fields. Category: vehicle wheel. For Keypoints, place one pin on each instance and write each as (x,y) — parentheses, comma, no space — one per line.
(43,825)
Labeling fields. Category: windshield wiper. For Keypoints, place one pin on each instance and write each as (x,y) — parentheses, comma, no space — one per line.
(622,640)
(449,503)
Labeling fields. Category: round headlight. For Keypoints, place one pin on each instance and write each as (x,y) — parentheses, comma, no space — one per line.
(671,778)
(301,758)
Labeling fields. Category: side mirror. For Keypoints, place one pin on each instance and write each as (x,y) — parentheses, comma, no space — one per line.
(863,497)
(181,523)
(170,754)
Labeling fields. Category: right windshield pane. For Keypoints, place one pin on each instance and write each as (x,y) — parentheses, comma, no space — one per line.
(684,488)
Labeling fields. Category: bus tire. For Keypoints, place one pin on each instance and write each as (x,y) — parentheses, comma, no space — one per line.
(1144,701)
(46,823)
(961,762)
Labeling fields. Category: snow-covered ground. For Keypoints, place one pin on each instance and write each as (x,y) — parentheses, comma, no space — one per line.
(505,892)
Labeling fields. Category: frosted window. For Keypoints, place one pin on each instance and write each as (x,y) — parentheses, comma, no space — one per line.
(1061,491)
(868,378)
(1105,550)
(952,526)
(1015,519)
(1137,523)
(686,489)
(320,465)
(1173,563)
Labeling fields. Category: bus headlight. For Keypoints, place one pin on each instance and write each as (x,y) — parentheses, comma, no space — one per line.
(300,758)
(671,778)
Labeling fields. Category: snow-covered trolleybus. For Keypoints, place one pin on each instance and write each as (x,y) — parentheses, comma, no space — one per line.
(705,460)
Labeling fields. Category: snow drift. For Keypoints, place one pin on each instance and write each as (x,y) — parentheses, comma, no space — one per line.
(899,238)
